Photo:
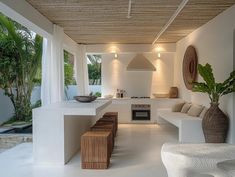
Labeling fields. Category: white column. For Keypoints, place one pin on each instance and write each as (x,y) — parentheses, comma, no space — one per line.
(82,71)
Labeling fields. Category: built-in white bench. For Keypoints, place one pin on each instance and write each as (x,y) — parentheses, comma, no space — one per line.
(190,128)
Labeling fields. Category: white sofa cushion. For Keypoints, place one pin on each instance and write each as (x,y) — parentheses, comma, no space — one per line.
(195,110)
(186,107)
(177,107)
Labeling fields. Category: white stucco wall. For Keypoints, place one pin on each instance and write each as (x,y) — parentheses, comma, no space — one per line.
(6,107)
(137,83)
(214,44)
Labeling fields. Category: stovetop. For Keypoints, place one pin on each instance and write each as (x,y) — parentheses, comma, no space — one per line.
(140,97)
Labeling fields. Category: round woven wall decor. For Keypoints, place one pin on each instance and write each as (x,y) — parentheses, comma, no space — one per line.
(190,67)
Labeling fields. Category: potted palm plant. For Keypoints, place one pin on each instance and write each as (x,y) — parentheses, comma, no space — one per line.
(215,123)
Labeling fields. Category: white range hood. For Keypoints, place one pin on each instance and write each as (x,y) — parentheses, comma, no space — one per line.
(140,63)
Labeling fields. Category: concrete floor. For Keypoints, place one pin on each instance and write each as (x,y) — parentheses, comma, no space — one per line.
(137,154)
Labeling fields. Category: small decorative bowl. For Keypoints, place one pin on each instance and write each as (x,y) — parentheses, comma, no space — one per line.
(85,99)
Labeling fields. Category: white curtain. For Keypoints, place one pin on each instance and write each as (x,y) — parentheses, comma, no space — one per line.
(85,70)
(52,89)
(82,70)
(46,77)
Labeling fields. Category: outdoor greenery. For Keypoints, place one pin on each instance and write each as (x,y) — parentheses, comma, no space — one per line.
(94,69)
(20,62)
(211,87)
(68,70)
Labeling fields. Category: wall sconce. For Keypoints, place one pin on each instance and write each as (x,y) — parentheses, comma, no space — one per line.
(115,55)
(159,55)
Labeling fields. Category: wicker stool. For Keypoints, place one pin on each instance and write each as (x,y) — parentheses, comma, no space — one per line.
(113,115)
(109,124)
(111,120)
(110,142)
(105,127)
(94,150)
(108,120)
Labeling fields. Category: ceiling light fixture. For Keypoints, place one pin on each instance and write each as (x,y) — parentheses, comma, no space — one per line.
(159,55)
(115,55)
(129,10)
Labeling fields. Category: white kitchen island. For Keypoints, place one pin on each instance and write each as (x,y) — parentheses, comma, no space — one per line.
(57,129)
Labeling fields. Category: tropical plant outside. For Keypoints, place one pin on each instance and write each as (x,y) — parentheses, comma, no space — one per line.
(211,87)
(94,71)
(20,62)
(68,72)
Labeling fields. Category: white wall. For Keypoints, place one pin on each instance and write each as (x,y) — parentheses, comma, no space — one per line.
(214,44)
(6,107)
(137,83)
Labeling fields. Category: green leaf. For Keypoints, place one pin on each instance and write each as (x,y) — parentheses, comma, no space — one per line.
(219,87)
(229,90)
(201,87)
(207,74)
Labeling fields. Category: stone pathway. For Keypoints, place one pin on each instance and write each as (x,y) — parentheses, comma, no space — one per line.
(8,141)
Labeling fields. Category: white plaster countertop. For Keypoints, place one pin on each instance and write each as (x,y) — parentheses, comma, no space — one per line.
(76,108)
(58,127)
(129,98)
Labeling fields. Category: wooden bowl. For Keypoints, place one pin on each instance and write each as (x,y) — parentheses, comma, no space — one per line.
(85,99)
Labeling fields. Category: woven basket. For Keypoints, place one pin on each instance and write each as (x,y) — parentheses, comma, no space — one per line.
(215,125)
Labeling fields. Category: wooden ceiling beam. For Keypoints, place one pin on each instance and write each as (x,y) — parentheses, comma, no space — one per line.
(178,10)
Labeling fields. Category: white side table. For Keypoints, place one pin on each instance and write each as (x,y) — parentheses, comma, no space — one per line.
(187,160)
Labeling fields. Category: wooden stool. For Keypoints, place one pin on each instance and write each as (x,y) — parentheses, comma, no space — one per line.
(95,150)
(108,124)
(108,120)
(111,120)
(114,115)
(110,143)
(105,127)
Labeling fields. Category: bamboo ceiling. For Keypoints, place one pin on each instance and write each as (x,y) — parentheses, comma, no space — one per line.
(105,21)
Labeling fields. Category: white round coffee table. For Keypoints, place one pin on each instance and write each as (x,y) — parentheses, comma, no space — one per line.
(187,160)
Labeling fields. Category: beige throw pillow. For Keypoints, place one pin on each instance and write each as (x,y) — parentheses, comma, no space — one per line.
(177,107)
(185,108)
(195,110)
(203,112)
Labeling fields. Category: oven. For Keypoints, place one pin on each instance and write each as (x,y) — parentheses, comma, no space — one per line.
(141,112)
